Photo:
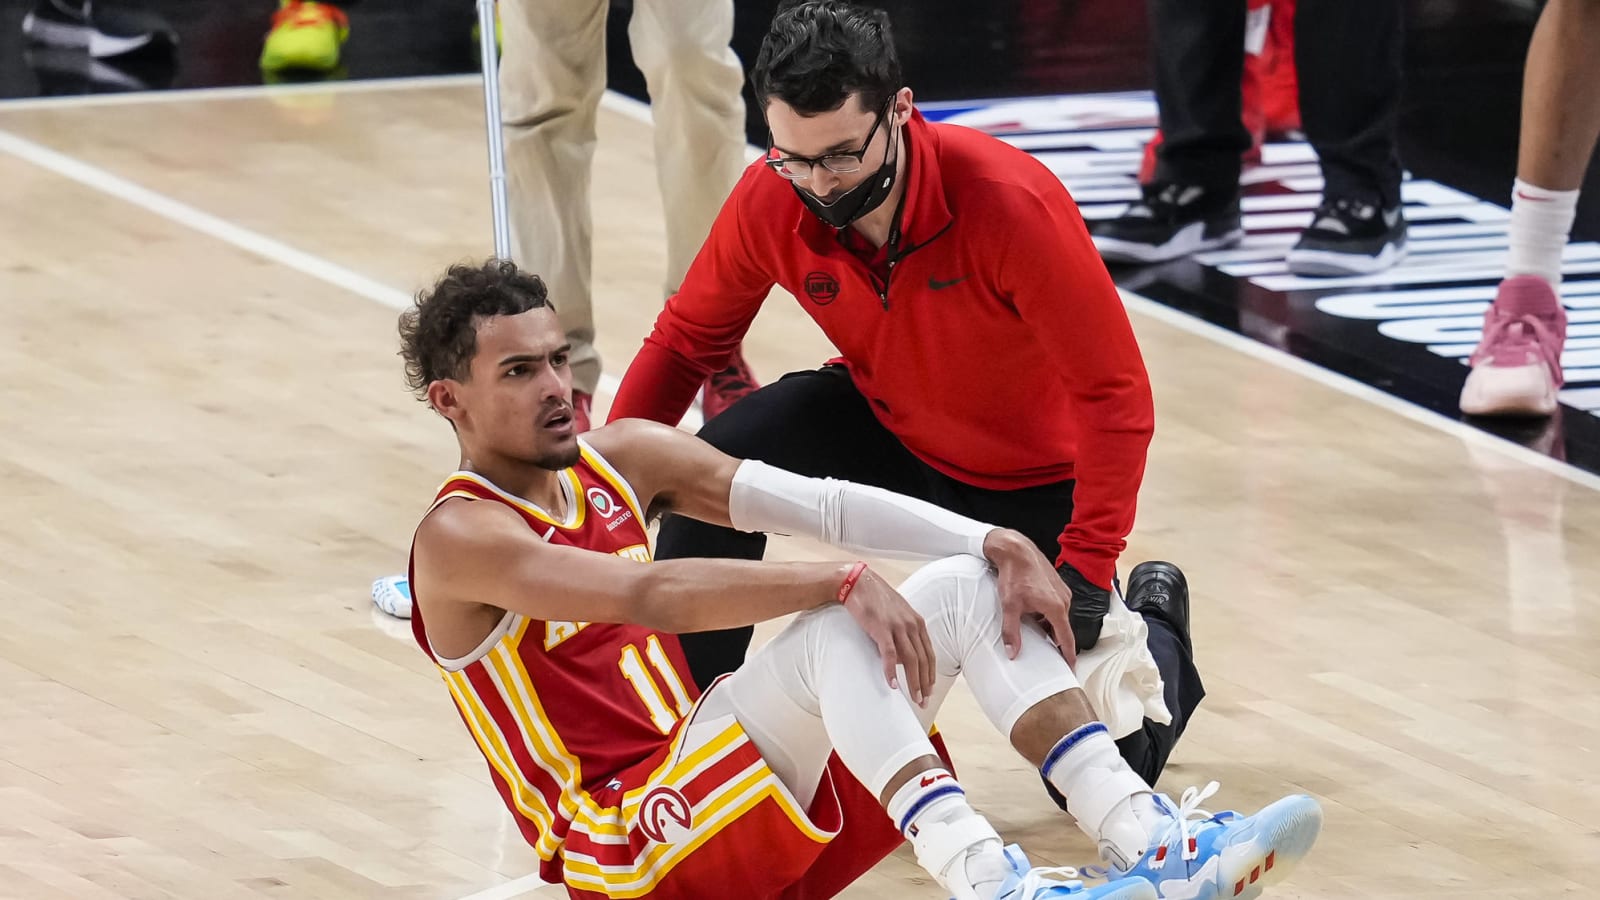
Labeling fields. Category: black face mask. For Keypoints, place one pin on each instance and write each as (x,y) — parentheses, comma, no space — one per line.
(859,200)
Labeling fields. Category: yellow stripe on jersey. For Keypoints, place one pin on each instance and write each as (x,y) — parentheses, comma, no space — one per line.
(705,757)
(571,477)
(544,743)
(624,882)
(756,783)
(674,771)
(486,732)
(611,476)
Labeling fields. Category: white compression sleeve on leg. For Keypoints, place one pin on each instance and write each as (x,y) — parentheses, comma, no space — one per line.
(960,602)
(856,517)
(821,677)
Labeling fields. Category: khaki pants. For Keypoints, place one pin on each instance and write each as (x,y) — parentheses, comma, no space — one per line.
(551,81)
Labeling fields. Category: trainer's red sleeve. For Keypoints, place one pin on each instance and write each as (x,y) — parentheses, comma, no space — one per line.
(1061,288)
(701,326)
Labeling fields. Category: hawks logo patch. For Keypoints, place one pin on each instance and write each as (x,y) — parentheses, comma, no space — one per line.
(665,816)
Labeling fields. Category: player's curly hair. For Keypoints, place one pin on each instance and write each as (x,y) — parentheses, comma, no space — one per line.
(439,333)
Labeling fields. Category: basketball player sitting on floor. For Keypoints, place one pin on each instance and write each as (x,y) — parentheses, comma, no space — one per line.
(556,642)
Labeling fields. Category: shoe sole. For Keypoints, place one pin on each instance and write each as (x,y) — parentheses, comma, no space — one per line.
(1509,391)
(1286,831)
(1120,251)
(1331,264)
(1127,889)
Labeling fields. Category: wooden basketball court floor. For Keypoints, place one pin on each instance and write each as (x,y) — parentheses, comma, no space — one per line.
(207,453)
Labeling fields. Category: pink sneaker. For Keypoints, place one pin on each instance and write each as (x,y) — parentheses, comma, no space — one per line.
(1516,370)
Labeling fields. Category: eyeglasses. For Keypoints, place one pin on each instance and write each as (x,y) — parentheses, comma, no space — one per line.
(843,162)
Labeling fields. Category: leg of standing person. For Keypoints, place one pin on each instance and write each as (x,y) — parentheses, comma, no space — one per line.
(551,81)
(1516,369)
(1348,58)
(1197,53)
(694,79)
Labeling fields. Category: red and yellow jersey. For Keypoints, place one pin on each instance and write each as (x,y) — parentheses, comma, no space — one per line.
(560,709)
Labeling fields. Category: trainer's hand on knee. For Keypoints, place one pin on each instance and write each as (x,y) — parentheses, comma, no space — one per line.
(899,632)
(1028,587)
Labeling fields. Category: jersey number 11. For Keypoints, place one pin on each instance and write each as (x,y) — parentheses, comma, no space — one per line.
(655,702)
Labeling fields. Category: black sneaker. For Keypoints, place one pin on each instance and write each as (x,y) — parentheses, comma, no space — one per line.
(85,25)
(1159,589)
(1172,220)
(1350,237)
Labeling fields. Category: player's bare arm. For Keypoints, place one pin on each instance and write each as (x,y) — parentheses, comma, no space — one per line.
(673,471)
(481,558)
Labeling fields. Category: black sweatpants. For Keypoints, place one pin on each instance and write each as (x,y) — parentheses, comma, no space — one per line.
(816,423)
(1348,56)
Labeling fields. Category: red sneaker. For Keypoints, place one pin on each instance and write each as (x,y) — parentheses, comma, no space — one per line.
(727,387)
(581,404)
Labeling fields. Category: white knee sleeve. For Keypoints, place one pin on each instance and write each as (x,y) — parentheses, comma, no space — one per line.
(959,600)
(818,687)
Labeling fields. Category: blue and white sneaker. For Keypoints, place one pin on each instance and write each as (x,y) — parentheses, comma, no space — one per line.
(1225,856)
(1044,883)
(392,594)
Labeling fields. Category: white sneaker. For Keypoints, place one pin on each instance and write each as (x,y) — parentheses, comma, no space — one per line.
(392,594)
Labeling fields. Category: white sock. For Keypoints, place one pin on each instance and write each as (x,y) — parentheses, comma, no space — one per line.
(1110,802)
(931,807)
(1541,220)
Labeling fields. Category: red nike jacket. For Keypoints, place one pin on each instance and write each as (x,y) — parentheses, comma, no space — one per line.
(998,352)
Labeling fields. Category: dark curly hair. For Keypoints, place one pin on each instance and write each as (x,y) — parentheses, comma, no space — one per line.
(819,52)
(439,333)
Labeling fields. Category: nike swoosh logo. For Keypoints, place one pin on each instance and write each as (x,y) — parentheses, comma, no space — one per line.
(1523,196)
(937,285)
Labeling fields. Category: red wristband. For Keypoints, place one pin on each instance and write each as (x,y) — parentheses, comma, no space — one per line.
(850,580)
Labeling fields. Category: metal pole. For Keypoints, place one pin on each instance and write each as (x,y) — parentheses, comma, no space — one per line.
(491,106)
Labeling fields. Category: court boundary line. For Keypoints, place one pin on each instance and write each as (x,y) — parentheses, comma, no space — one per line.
(254,242)
(242,92)
(317,267)
(640,112)
(1353,388)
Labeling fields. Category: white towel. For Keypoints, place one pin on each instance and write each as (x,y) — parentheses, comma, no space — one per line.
(1119,674)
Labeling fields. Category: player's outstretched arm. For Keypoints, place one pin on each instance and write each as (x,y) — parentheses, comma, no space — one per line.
(483,554)
(673,471)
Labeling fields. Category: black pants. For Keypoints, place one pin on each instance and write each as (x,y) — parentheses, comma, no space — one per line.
(816,423)
(1348,54)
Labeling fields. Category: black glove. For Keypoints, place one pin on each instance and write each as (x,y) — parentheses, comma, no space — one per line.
(1090,603)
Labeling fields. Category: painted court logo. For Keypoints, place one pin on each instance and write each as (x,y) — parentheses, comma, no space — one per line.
(822,288)
(1429,305)
(665,816)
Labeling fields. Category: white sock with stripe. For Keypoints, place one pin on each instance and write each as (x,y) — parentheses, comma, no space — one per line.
(957,846)
(1541,221)
(1110,802)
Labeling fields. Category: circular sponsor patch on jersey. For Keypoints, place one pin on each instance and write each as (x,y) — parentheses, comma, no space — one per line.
(665,816)
(602,502)
(822,288)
